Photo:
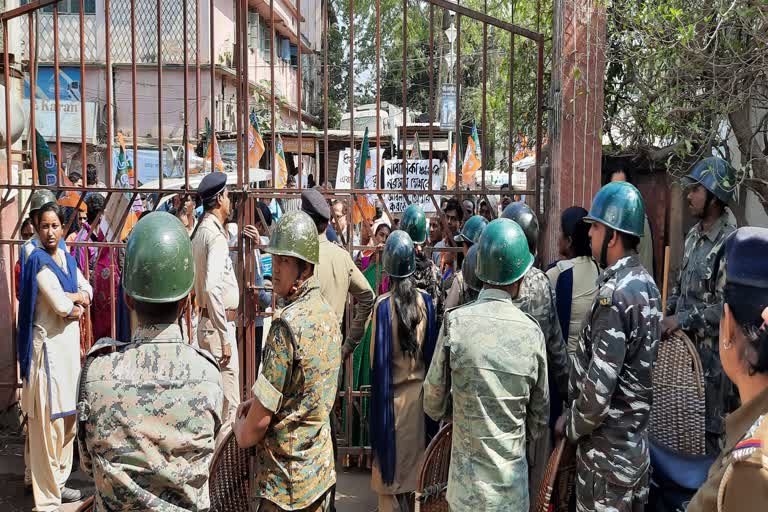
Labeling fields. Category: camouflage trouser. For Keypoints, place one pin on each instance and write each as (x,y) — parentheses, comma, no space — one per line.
(322,504)
(595,493)
(719,395)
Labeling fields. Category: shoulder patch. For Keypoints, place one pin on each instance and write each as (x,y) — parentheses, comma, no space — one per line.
(750,444)
(605,296)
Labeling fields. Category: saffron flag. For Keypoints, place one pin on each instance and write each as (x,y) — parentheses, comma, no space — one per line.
(256,146)
(451,178)
(281,172)
(472,159)
(47,173)
(212,154)
(363,209)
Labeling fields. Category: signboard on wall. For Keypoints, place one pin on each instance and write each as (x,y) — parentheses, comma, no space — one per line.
(344,174)
(69,120)
(448,107)
(417,176)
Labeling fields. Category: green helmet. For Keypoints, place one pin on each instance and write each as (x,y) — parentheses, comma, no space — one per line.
(296,235)
(399,258)
(159,266)
(716,175)
(619,206)
(415,223)
(468,270)
(503,256)
(40,198)
(526,219)
(472,230)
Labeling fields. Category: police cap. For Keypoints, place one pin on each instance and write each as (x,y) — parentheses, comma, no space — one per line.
(212,185)
(314,204)
(745,257)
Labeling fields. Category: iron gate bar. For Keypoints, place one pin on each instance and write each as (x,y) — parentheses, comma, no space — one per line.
(108,94)
(458,173)
(134,134)
(56,85)
(483,120)
(33,80)
(495,22)
(7,75)
(83,140)
(405,100)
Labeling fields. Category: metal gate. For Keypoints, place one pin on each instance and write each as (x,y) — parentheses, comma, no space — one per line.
(128,55)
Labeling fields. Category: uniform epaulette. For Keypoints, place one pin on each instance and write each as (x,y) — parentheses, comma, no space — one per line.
(105,346)
(207,355)
(753,448)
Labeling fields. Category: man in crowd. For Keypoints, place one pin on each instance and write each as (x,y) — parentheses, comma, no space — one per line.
(695,303)
(289,415)
(537,298)
(427,274)
(149,410)
(216,289)
(610,387)
(436,238)
(490,366)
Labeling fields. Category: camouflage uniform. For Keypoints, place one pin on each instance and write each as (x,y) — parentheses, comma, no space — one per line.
(459,293)
(537,298)
(610,390)
(294,466)
(154,407)
(490,366)
(697,302)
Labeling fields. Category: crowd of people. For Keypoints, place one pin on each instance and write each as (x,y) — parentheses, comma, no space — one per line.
(448,319)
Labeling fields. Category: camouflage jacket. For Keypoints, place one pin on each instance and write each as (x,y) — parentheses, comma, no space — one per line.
(610,388)
(490,367)
(697,294)
(302,354)
(537,298)
(153,410)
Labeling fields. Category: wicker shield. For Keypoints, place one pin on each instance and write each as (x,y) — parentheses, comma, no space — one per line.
(229,485)
(678,411)
(87,505)
(433,479)
(550,475)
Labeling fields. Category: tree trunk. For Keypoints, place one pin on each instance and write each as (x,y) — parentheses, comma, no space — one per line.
(751,154)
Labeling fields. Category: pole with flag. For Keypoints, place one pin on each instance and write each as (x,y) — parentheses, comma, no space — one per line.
(363,209)
(47,173)
(416,148)
(451,178)
(212,154)
(281,174)
(124,176)
(472,158)
(256,146)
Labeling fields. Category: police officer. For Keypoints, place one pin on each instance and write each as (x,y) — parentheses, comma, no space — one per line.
(537,298)
(490,365)
(738,480)
(472,285)
(427,276)
(470,234)
(695,303)
(337,274)
(149,410)
(289,415)
(216,290)
(610,388)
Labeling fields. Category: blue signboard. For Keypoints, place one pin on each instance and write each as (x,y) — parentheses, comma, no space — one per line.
(69,84)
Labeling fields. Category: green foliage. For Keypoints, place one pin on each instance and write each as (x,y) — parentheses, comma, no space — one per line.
(522,90)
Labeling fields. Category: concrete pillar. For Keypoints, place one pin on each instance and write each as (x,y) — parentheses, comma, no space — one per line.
(576,118)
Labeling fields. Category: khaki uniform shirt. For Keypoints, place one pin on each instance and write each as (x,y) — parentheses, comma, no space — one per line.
(294,463)
(490,365)
(216,287)
(339,277)
(738,480)
(155,406)
(585,276)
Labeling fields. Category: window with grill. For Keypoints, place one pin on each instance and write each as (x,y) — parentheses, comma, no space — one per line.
(70,6)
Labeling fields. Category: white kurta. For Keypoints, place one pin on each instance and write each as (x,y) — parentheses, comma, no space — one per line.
(56,345)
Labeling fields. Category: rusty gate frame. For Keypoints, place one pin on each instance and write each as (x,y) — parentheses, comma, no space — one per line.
(249,352)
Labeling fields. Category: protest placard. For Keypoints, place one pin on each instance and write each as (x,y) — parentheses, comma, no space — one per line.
(417,176)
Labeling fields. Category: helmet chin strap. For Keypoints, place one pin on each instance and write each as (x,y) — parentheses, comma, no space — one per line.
(604,250)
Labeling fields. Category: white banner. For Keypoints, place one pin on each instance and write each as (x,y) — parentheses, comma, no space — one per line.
(69,120)
(417,177)
(344,173)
